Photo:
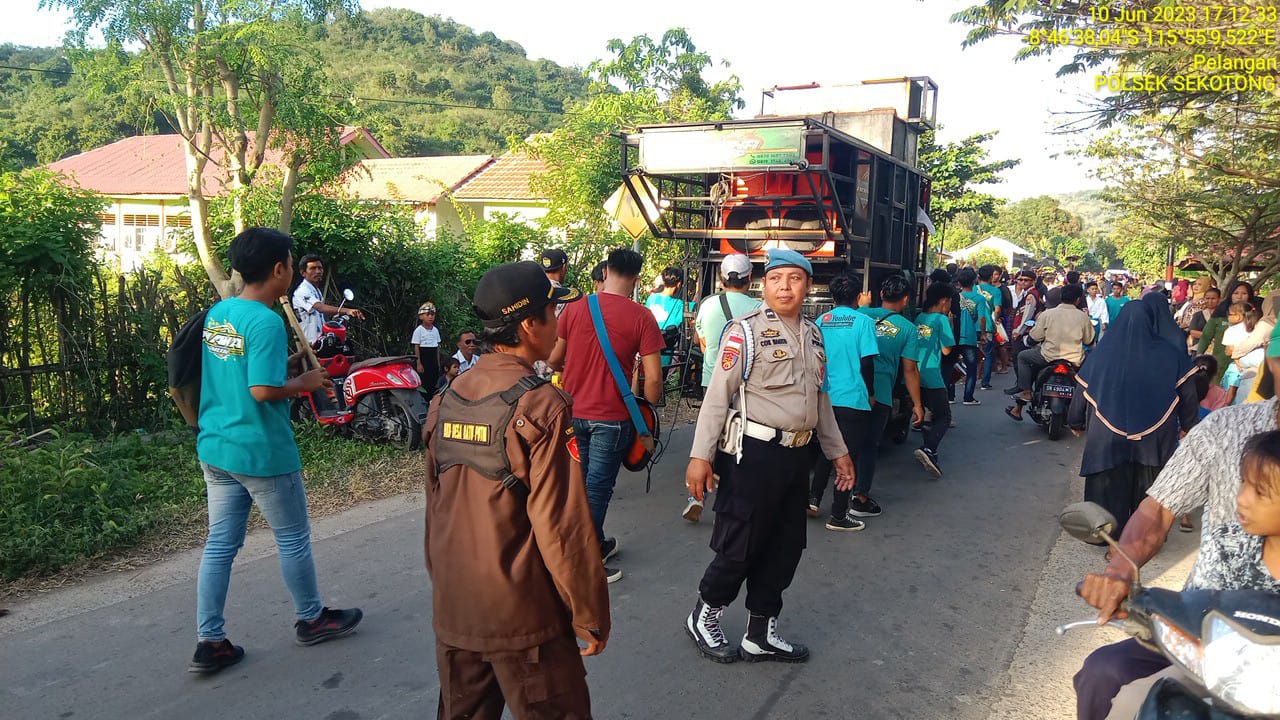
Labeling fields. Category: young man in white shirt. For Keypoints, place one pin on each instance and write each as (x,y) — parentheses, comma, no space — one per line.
(308,301)
(1097,305)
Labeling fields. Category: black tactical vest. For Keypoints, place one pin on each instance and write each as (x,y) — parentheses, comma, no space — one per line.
(474,432)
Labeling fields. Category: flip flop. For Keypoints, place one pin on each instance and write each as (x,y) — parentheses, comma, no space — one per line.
(1009,411)
(1186,526)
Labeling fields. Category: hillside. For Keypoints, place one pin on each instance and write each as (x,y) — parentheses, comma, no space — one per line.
(403,67)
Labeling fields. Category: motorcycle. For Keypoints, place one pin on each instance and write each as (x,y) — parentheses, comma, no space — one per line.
(381,398)
(1051,395)
(1225,642)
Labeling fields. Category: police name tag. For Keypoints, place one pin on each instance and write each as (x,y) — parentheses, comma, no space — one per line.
(474,433)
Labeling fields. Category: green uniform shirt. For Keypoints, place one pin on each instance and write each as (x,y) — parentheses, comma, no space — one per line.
(935,334)
(1273,345)
(982,309)
(897,339)
(244,345)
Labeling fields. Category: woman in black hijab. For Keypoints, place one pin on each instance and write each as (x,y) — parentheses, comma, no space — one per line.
(1216,327)
(1137,393)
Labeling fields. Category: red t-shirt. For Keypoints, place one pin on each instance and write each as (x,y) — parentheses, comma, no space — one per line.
(632,331)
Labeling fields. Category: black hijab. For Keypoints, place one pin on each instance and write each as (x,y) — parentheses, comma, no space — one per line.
(1132,377)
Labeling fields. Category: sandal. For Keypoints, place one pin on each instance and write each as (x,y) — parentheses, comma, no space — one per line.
(1009,411)
(1185,525)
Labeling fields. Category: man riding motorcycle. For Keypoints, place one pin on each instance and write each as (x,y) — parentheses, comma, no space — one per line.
(308,301)
(1062,332)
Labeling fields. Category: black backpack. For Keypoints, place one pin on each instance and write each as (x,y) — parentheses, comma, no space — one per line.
(184,360)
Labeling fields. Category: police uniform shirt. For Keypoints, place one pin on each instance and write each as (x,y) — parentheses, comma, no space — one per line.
(786,384)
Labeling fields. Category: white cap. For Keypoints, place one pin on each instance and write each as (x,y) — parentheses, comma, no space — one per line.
(736,264)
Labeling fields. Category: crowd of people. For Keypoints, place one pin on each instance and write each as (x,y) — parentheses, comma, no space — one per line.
(520,470)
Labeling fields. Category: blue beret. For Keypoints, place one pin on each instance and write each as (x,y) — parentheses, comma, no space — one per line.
(788,258)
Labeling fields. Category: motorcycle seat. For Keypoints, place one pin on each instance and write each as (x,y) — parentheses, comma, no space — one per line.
(377,361)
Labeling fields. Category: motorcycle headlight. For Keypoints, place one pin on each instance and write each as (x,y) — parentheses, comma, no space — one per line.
(1182,647)
(1241,668)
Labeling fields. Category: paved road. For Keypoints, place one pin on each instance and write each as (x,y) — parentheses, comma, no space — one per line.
(918,616)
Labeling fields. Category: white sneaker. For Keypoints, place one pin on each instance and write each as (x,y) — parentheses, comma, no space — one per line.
(692,511)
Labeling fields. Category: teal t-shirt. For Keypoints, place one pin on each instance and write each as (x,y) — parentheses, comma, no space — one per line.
(935,334)
(976,307)
(848,336)
(244,345)
(896,339)
(710,323)
(1114,304)
(668,310)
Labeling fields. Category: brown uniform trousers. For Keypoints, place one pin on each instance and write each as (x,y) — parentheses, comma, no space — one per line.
(547,681)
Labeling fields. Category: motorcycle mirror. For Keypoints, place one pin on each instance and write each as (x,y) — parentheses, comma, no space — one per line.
(346,293)
(1087,522)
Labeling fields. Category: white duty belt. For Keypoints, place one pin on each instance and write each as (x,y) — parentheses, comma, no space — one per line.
(785,438)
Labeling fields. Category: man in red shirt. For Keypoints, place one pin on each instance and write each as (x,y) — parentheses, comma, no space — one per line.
(601,423)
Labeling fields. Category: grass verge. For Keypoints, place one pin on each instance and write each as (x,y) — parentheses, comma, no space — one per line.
(71,505)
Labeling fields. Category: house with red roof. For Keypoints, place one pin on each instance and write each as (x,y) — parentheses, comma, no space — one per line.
(144,179)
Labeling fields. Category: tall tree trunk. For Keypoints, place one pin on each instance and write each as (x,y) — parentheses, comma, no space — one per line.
(289,191)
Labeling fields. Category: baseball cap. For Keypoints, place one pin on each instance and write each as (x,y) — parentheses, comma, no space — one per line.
(735,267)
(553,259)
(779,258)
(427,307)
(514,289)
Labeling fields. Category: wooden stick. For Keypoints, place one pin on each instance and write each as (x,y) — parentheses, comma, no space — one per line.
(308,352)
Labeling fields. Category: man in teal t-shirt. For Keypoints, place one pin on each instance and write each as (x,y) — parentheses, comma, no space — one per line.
(898,342)
(936,340)
(735,275)
(993,297)
(1116,300)
(975,325)
(247,451)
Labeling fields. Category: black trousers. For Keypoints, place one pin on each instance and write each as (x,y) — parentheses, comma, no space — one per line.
(869,452)
(1108,669)
(853,427)
(1120,489)
(935,399)
(759,532)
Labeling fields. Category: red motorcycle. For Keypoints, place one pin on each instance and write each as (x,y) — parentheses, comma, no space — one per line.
(380,399)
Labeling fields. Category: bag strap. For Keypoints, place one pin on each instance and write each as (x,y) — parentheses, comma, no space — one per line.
(724,306)
(628,398)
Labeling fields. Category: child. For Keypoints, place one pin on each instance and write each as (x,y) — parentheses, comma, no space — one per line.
(426,345)
(450,367)
(1258,510)
(1242,317)
(247,451)
(936,341)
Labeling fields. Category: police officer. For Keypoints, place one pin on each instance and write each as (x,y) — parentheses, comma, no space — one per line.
(510,546)
(767,400)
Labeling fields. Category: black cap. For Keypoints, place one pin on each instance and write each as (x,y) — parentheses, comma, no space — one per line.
(553,259)
(515,289)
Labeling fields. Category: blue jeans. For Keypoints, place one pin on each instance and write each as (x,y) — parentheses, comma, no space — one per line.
(970,355)
(601,444)
(989,357)
(282,500)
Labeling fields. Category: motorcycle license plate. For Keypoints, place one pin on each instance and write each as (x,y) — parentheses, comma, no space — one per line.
(1056,390)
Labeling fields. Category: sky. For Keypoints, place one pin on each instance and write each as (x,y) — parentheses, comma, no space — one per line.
(981,89)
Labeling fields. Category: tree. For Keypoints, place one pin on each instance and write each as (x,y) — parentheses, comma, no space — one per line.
(1034,222)
(660,82)
(232,72)
(955,168)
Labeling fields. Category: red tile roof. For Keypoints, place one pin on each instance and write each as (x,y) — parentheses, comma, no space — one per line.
(507,178)
(157,165)
(413,179)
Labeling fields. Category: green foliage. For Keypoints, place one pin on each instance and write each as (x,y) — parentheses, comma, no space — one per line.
(1033,223)
(65,497)
(46,233)
(955,168)
(986,256)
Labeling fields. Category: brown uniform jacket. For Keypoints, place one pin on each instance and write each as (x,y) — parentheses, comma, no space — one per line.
(786,386)
(509,573)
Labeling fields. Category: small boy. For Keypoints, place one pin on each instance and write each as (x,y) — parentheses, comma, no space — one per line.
(1258,510)
(247,451)
(450,367)
(936,341)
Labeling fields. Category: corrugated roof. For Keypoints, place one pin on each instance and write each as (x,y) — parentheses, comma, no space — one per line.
(157,165)
(414,179)
(507,178)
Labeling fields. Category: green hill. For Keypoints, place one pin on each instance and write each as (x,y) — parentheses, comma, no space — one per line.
(407,71)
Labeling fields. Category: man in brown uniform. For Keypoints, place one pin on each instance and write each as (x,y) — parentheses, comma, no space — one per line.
(512,553)
(771,375)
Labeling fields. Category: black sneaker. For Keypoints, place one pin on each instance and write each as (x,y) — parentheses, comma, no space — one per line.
(703,625)
(984,387)
(863,508)
(814,507)
(845,524)
(212,657)
(974,401)
(330,625)
(929,459)
(612,575)
(608,548)
(762,643)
